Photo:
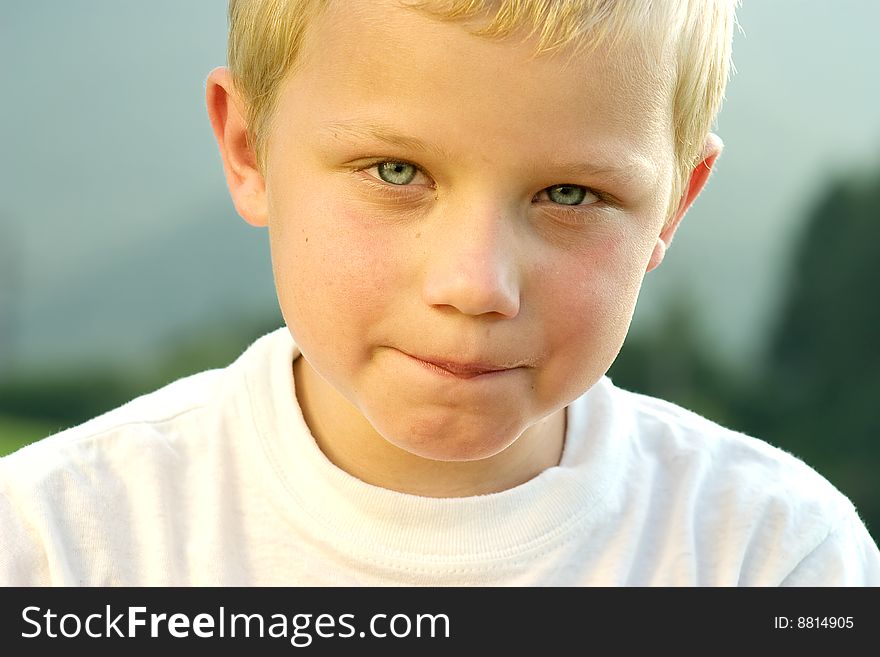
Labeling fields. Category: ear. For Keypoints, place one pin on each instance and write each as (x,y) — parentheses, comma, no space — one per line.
(246,183)
(699,176)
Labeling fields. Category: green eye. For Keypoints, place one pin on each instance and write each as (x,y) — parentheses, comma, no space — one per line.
(397,173)
(567,194)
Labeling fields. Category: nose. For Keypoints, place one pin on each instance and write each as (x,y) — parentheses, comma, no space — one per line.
(473,265)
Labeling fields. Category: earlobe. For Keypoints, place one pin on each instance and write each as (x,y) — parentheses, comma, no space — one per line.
(243,177)
(697,181)
(657,254)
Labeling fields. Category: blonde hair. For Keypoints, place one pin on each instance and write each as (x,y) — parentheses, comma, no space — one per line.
(265,37)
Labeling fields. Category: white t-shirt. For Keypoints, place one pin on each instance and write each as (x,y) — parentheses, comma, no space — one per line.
(216,480)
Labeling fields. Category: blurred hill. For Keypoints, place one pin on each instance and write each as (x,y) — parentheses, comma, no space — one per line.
(211,267)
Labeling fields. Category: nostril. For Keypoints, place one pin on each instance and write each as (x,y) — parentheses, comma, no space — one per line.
(474,292)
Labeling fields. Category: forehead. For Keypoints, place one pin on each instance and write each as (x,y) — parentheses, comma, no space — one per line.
(380,62)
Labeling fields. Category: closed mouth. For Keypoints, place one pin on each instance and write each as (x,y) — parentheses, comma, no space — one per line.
(466,370)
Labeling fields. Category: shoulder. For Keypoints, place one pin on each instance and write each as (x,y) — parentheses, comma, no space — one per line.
(112,472)
(164,419)
(688,442)
(64,492)
(759,505)
(144,418)
(51,490)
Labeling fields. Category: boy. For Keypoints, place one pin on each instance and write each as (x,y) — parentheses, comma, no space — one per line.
(462,200)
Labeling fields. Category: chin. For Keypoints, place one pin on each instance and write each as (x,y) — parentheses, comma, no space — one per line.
(450,441)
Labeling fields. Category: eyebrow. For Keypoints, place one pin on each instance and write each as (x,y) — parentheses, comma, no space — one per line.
(381,133)
(627,172)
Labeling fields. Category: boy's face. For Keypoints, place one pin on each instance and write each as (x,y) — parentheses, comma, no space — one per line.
(459,230)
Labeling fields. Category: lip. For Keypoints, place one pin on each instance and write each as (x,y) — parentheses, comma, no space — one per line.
(458,369)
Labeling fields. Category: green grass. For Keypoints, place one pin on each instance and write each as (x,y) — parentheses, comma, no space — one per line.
(17,432)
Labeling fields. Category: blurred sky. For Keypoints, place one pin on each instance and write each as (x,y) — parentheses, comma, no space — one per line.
(116,227)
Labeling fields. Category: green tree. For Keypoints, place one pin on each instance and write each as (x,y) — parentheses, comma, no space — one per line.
(820,384)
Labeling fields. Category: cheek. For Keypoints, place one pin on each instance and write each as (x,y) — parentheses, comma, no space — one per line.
(333,272)
(588,302)
(596,284)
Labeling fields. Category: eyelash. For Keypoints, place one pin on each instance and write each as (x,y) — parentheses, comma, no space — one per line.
(394,191)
